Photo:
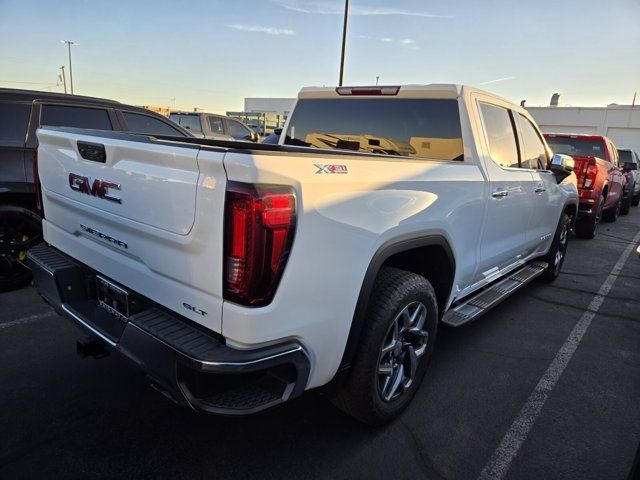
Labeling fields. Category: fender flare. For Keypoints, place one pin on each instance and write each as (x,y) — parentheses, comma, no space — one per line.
(387,250)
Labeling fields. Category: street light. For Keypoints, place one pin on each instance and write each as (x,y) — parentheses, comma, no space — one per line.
(344,40)
(69,43)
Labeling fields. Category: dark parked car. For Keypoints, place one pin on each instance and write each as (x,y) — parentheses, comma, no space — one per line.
(21,113)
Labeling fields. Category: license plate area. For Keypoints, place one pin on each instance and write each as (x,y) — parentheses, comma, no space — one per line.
(113,299)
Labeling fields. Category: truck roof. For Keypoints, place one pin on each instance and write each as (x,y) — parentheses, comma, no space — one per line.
(442,90)
(31,95)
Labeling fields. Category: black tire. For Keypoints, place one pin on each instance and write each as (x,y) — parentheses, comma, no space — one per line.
(558,250)
(586,227)
(626,203)
(612,214)
(635,201)
(374,372)
(19,227)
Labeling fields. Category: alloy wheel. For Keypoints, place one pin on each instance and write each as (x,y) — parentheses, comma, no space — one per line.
(402,348)
(563,241)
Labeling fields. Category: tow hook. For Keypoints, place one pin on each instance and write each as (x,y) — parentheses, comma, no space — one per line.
(91,347)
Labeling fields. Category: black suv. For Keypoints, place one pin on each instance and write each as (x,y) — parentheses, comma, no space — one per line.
(21,113)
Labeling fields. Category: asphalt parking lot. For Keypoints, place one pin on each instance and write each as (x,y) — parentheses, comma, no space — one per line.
(482,403)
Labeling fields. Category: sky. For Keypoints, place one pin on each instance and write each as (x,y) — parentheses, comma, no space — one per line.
(212,54)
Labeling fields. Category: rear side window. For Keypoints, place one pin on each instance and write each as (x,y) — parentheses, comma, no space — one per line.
(215,124)
(424,128)
(145,124)
(78,117)
(502,140)
(535,153)
(238,131)
(190,122)
(14,119)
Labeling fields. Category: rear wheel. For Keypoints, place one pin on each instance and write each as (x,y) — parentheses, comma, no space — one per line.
(586,227)
(20,228)
(612,214)
(395,347)
(558,250)
(636,200)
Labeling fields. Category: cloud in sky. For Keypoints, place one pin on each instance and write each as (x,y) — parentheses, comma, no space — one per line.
(503,79)
(406,42)
(336,8)
(263,29)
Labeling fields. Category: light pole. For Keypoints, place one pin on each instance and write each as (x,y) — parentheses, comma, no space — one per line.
(64,79)
(344,40)
(69,43)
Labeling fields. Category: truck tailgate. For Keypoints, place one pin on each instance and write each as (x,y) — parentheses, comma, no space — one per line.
(149,215)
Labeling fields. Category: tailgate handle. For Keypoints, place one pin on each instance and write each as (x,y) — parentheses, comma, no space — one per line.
(92,151)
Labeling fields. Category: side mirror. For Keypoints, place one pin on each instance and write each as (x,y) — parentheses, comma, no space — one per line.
(562,166)
(629,166)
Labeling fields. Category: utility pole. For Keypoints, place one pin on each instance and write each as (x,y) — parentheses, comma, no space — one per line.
(344,40)
(64,79)
(69,43)
(377,79)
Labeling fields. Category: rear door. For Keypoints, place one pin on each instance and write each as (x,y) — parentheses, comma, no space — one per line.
(147,214)
(546,197)
(504,239)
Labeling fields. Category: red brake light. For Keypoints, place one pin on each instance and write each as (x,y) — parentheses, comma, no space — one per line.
(259,228)
(36,184)
(367,90)
(590,175)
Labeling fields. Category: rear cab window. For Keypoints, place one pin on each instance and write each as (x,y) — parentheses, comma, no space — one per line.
(189,122)
(14,120)
(420,128)
(577,147)
(74,116)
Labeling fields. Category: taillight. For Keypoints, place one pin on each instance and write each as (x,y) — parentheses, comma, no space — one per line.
(259,228)
(590,175)
(36,184)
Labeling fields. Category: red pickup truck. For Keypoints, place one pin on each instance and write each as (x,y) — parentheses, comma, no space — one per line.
(600,179)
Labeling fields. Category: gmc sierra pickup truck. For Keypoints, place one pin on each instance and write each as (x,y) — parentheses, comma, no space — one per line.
(601,182)
(239,275)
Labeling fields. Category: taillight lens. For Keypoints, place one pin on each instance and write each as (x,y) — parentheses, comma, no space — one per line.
(36,184)
(259,228)
(590,175)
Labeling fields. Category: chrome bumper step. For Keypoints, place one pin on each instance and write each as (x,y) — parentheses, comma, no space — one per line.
(477,305)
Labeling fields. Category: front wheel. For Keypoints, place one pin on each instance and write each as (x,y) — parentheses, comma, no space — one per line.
(558,250)
(395,347)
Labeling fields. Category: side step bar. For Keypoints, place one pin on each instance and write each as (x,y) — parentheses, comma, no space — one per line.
(479,304)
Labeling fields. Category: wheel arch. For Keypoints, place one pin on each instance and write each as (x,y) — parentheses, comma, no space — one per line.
(438,268)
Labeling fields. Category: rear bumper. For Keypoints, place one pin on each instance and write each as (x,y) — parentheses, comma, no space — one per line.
(191,366)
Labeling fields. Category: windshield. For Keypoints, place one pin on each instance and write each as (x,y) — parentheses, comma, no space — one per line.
(427,128)
(577,147)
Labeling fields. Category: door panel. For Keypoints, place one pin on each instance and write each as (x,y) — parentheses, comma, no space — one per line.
(509,198)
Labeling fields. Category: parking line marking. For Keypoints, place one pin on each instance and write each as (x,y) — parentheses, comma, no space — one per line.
(29,319)
(509,447)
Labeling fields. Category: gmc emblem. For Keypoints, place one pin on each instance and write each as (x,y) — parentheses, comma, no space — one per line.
(99,188)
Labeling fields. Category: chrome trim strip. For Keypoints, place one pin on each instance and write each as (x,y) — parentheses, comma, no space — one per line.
(78,319)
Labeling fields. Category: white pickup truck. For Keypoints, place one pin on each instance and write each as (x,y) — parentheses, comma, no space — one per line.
(238,276)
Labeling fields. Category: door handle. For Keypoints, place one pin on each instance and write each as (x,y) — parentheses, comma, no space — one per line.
(540,189)
(500,193)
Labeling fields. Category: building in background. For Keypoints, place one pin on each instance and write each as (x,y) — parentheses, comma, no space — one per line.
(161,110)
(277,106)
(621,123)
